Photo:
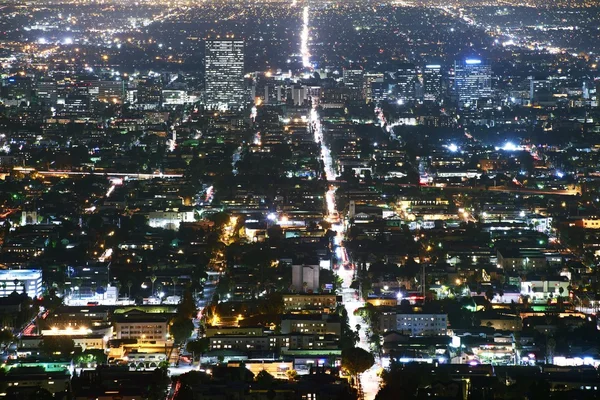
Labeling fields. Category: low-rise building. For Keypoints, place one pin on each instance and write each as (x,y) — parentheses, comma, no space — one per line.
(311,324)
(418,324)
(144,327)
(309,303)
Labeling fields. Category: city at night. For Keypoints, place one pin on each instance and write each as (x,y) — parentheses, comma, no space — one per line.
(299,200)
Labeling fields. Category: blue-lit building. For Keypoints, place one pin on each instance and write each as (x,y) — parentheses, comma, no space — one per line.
(472,81)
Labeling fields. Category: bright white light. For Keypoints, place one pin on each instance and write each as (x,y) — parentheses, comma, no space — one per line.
(68,41)
(472,61)
(522,214)
(42,40)
(272,217)
(560,174)
(453,148)
(399,296)
(400,102)
(304,40)
(509,146)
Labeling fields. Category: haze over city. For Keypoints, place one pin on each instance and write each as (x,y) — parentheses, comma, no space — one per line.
(299,199)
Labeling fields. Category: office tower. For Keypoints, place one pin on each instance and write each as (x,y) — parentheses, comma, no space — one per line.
(539,89)
(432,82)
(472,81)
(369,79)
(224,66)
(406,77)
(149,94)
(380,91)
(46,92)
(111,91)
(16,90)
(353,82)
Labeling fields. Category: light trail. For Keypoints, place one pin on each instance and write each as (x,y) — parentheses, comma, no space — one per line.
(304,40)
(110,190)
(369,380)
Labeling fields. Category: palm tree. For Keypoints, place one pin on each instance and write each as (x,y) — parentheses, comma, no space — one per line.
(153,279)
(175,279)
(129,285)
(118,286)
(16,282)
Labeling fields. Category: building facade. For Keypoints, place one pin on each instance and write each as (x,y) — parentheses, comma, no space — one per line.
(224,66)
(472,81)
(22,280)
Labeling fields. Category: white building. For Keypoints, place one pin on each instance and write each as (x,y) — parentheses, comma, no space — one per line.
(543,290)
(177,97)
(422,324)
(472,81)
(170,219)
(21,280)
(224,63)
(305,278)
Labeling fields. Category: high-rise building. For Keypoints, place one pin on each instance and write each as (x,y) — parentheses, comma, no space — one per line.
(406,77)
(224,66)
(432,82)
(46,92)
(369,79)
(353,81)
(539,89)
(149,94)
(472,81)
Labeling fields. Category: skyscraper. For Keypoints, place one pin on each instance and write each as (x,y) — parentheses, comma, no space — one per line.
(472,81)
(224,66)
(353,81)
(432,82)
(406,77)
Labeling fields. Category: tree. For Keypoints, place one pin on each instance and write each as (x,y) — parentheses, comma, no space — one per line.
(198,346)
(264,378)
(174,279)
(59,345)
(187,306)
(181,329)
(356,360)
(129,285)
(153,279)
(292,374)
(6,337)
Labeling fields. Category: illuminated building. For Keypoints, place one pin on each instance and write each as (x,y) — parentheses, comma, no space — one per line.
(539,89)
(149,94)
(371,78)
(353,81)
(417,324)
(22,280)
(46,92)
(432,82)
(224,64)
(170,219)
(472,81)
(406,77)
(144,327)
